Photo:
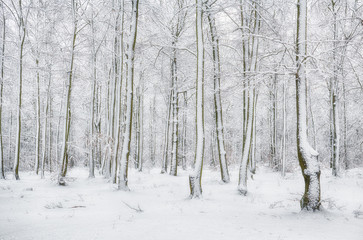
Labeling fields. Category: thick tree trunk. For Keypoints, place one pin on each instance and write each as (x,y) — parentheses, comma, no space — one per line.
(308,157)
(195,177)
(123,173)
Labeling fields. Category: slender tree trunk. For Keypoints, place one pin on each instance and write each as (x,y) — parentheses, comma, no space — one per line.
(37,137)
(250,92)
(141,125)
(254,135)
(67,109)
(242,182)
(345,129)
(308,157)
(273,120)
(91,162)
(119,97)
(335,134)
(164,165)
(175,122)
(221,152)
(123,176)
(22,31)
(284,126)
(184,132)
(46,109)
(151,132)
(195,177)
(2,171)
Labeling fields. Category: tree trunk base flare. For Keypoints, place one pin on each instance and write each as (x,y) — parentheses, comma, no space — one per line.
(173,172)
(16,176)
(311,198)
(225,179)
(242,190)
(122,185)
(195,187)
(61,181)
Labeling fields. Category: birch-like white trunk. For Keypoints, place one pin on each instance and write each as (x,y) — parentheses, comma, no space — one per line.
(175,122)
(195,177)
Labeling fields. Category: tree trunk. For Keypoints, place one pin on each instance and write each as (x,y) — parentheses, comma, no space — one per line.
(284,126)
(123,176)
(335,133)
(250,92)
(22,31)
(195,177)
(37,137)
(2,171)
(141,124)
(308,157)
(221,152)
(164,165)
(175,101)
(67,109)
(46,107)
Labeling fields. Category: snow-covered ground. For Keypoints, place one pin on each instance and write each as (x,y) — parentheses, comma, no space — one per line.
(92,209)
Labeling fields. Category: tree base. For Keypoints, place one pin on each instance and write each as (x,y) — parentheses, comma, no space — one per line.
(122,185)
(61,181)
(242,190)
(195,187)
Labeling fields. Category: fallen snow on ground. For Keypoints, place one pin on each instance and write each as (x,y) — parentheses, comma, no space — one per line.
(158,207)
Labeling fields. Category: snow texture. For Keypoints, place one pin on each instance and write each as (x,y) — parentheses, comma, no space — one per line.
(158,207)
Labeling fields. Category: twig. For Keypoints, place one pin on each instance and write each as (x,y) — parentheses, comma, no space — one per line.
(138,209)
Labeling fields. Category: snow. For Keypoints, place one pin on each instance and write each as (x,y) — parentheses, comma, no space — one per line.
(92,209)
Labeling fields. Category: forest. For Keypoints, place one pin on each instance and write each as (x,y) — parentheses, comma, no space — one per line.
(159,119)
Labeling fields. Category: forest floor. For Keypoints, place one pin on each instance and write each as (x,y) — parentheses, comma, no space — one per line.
(158,207)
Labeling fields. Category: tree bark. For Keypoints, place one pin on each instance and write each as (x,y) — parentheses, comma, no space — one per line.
(221,152)
(2,171)
(308,157)
(67,109)
(195,177)
(123,174)
(22,31)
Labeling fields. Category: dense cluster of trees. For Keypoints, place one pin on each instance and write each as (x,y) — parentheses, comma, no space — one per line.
(179,83)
